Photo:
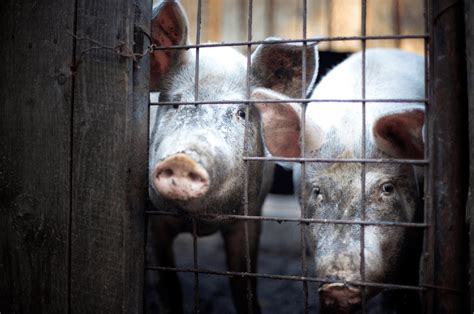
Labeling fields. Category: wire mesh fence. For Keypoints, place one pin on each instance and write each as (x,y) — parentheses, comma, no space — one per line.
(365,161)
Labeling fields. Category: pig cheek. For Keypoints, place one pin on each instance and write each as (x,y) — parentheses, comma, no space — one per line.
(382,244)
(377,252)
(393,208)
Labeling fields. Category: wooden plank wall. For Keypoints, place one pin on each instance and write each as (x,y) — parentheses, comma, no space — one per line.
(73,161)
(226,20)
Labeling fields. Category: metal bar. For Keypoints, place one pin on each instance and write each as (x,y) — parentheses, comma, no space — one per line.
(419,162)
(304,264)
(245,153)
(297,220)
(310,40)
(196,98)
(297,100)
(364,144)
(421,288)
(289,277)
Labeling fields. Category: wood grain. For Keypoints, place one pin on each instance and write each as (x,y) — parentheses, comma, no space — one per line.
(35,124)
(109,160)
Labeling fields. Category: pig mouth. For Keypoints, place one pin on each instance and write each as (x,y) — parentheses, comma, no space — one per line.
(339,298)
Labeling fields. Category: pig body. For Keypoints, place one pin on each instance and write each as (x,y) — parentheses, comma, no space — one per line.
(392,191)
(196,161)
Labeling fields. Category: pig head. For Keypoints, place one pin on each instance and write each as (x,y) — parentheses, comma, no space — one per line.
(196,150)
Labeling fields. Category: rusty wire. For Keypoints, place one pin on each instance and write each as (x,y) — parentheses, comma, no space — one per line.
(313,41)
(277,219)
(364,147)
(196,98)
(247,163)
(272,101)
(419,162)
(304,263)
(290,277)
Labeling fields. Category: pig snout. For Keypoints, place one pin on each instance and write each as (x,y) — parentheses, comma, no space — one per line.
(339,298)
(179,177)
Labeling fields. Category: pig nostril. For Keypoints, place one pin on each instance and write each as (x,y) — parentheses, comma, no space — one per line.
(194,176)
(333,277)
(167,173)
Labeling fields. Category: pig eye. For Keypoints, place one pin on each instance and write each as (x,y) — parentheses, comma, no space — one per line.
(241,113)
(388,188)
(316,190)
(176,98)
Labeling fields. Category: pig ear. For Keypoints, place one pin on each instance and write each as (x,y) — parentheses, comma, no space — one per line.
(400,134)
(169,27)
(281,125)
(279,67)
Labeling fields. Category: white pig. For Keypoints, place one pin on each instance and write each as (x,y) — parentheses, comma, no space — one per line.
(334,190)
(196,161)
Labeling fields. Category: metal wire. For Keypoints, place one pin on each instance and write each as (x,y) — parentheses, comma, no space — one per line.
(304,264)
(362,181)
(289,277)
(290,41)
(297,220)
(246,153)
(294,100)
(344,160)
(196,98)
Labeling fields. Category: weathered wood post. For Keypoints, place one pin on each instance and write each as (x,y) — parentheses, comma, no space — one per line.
(73,155)
(448,144)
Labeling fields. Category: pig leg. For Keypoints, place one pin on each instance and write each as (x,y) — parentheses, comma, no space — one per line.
(163,288)
(234,238)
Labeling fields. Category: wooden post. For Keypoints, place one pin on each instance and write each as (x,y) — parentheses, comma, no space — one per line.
(469,20)
(35,150)
(447,122)
(109,159)
(73,155)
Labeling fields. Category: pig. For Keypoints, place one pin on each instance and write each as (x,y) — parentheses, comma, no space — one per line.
(196,154)
(393,192)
